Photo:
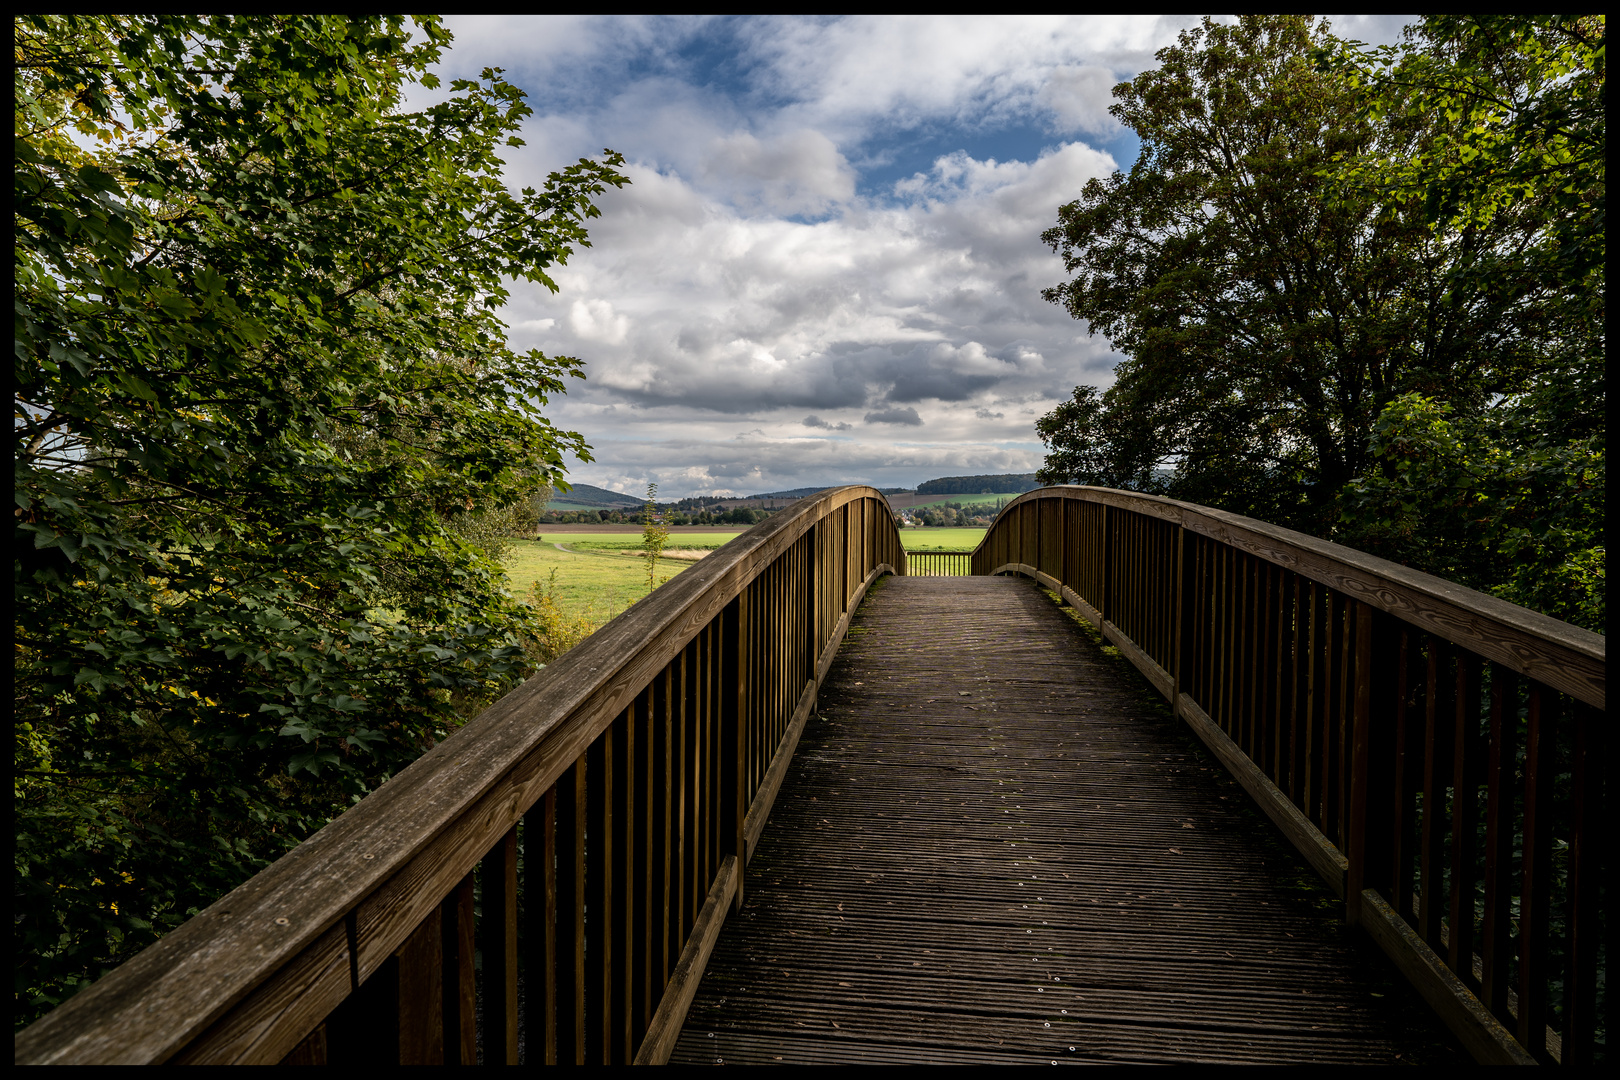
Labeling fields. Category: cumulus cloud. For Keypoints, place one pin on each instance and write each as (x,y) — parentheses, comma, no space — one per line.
(800,172)
(895,416)
(756,283)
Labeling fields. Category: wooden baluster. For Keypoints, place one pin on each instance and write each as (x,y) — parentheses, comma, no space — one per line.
(1436,771)
(1408,769)
(1465,757)
(1373,759)
(460,998)
(643,959)
(621,922)
(1587,847)
(734,740)
(1496,934)
(1540,771)
(1343,724)
(599,885)
(540,930)
(665,832)
(420,963)
(572,811)
(1310,787)
(497,941)
(1298,689)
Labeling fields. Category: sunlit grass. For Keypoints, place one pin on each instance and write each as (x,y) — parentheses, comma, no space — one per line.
(927,539)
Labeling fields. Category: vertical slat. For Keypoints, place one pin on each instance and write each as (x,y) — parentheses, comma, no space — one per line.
(1534,899)
(540,929)
(1342,722)
(460,999)
(497,940)
(666,829)
(1587,845)
(1496,934)
(640,952)
(1464,817)
(620,913)
(1408,767)
(598,891)
(1310,787)
(572,811)
(1372,759)
(1436,770)
(421,993)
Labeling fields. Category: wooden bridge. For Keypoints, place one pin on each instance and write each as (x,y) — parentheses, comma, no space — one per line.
(992,839)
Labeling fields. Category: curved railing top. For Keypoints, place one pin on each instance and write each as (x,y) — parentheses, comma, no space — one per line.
(152,1006)
(1564,657)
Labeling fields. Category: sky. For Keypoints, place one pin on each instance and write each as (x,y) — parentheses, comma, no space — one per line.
(827,267)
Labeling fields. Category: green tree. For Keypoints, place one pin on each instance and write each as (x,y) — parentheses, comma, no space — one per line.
(654,535)
(260,391)
(1267,313)
(1503,117)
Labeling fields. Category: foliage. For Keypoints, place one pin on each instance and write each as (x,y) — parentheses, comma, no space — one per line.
(259,388)
(556,630)
(1509,498)
(1361,293)
(1267,314)
(997,483)
(654,535)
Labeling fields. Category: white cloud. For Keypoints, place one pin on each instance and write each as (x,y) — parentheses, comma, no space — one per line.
(756,312)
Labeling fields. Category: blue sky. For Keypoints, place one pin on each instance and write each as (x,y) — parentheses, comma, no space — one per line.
(827,268)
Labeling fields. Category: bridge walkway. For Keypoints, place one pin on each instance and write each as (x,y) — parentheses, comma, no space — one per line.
(995,845)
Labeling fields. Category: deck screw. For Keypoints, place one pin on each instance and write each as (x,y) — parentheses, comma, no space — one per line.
(281,921)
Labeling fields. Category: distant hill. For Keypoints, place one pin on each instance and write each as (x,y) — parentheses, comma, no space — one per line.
(998,483)
(590,495)
(791,493)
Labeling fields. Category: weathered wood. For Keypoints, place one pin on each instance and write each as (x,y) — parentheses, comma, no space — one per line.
(1564,657)
(683,981)
(1318,850)
(509,756)
(498,943)
(459,1001)
(974,843)
(1471,1022)
(421,994)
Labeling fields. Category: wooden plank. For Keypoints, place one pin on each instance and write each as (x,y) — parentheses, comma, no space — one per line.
(1565,657)
(971,858)
(497,939)
(147,1009)
(683,981)
(1324,858)
(459,1002)
(265,1028)
(759,810)
(1471,1022)
(421,994)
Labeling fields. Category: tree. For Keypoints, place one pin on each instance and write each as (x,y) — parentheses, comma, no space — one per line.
(654,535)
(260,390)
(1510,498)
(1268,313)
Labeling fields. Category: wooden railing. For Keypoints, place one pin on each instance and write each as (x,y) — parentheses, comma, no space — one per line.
(939,563)
(1439,755)
(601,814)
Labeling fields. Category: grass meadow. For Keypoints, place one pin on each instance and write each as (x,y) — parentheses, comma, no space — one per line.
(599,575)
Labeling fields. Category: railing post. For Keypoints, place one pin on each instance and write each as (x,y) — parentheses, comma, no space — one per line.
(1373,779)
(1183,610)
(734,730)
(1105,600)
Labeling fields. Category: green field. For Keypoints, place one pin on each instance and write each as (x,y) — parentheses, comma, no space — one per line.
(926,539)
(598,574)
(964,500)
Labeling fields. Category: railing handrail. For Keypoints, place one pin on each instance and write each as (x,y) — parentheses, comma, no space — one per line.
(1404,732)
(435,819)
(1564,657)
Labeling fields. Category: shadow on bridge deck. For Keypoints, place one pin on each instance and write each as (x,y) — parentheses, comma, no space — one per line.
(995,845)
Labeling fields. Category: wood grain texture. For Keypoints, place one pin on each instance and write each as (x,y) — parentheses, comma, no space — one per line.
(1471,1022)
(683,981)
(1567,658)
(971,862)
(476,784)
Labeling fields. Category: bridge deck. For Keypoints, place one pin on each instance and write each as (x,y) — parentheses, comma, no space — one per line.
(994,845)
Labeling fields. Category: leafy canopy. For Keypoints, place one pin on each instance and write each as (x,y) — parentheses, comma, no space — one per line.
(260,389)
(1359,293)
